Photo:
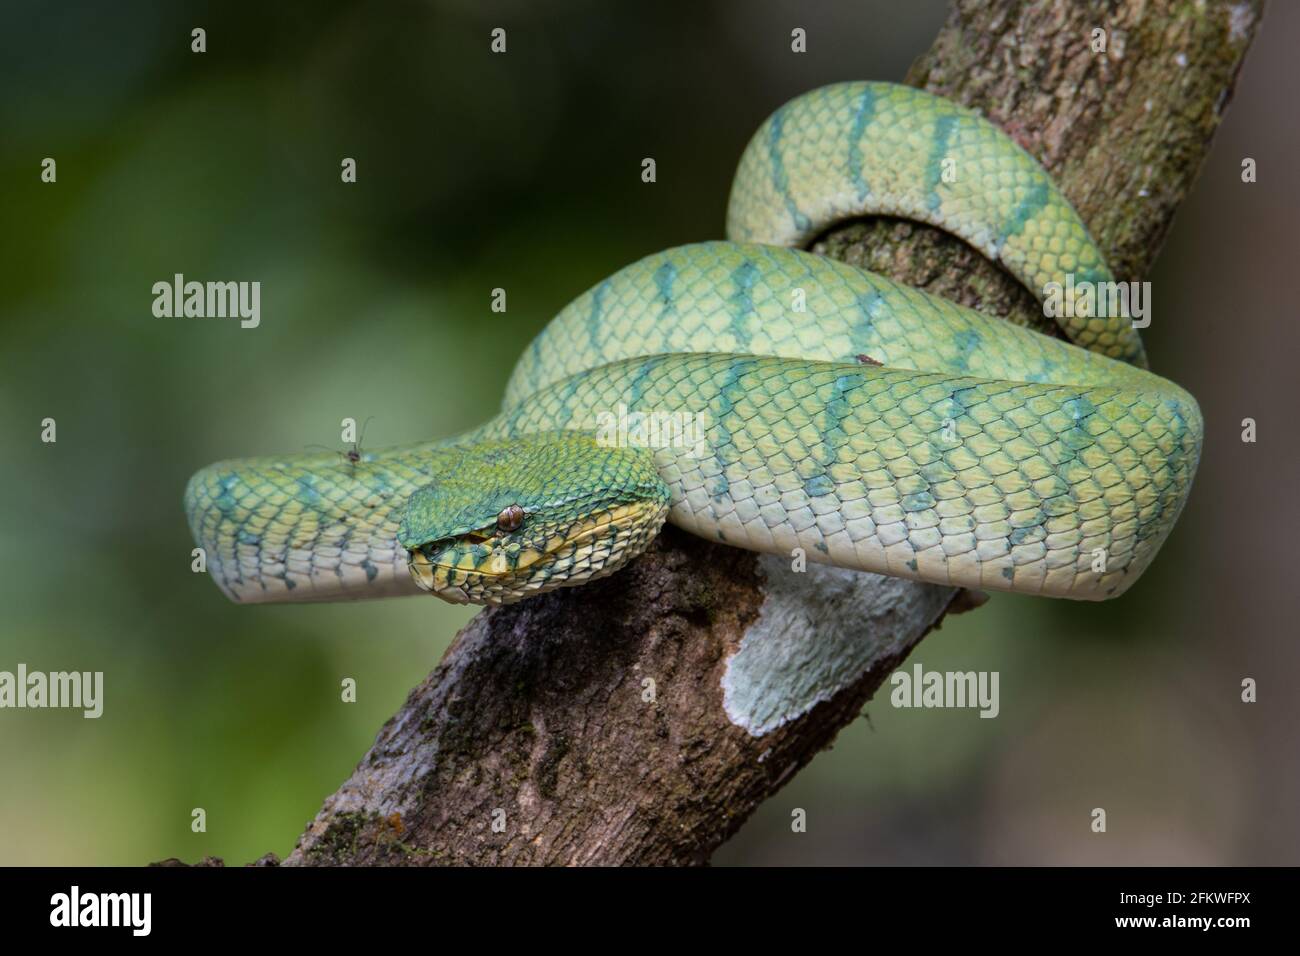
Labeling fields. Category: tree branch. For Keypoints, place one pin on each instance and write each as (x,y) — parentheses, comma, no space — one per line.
(641,719)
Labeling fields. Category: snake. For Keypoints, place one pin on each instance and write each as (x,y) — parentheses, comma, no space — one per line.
(762,396)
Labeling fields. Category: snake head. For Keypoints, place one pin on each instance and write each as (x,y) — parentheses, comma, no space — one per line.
(520,516)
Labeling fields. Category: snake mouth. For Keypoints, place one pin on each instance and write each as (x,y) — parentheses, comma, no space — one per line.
(483,567)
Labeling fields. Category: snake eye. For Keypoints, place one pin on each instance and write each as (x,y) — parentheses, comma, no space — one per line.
(510,518)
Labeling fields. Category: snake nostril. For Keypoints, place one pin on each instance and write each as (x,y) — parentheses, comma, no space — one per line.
(421,569)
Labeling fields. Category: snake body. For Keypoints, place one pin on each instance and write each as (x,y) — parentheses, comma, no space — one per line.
(976,454)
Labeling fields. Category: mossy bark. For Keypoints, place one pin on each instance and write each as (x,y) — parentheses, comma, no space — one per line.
(538,739)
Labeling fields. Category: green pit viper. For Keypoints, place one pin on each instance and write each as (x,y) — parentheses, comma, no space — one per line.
(977,454)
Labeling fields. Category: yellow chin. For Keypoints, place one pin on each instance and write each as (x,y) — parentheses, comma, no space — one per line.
(588,548)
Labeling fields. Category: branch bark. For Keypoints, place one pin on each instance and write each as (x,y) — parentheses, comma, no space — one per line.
(641,719)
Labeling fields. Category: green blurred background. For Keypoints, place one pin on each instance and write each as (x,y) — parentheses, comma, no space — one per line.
(523,171)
